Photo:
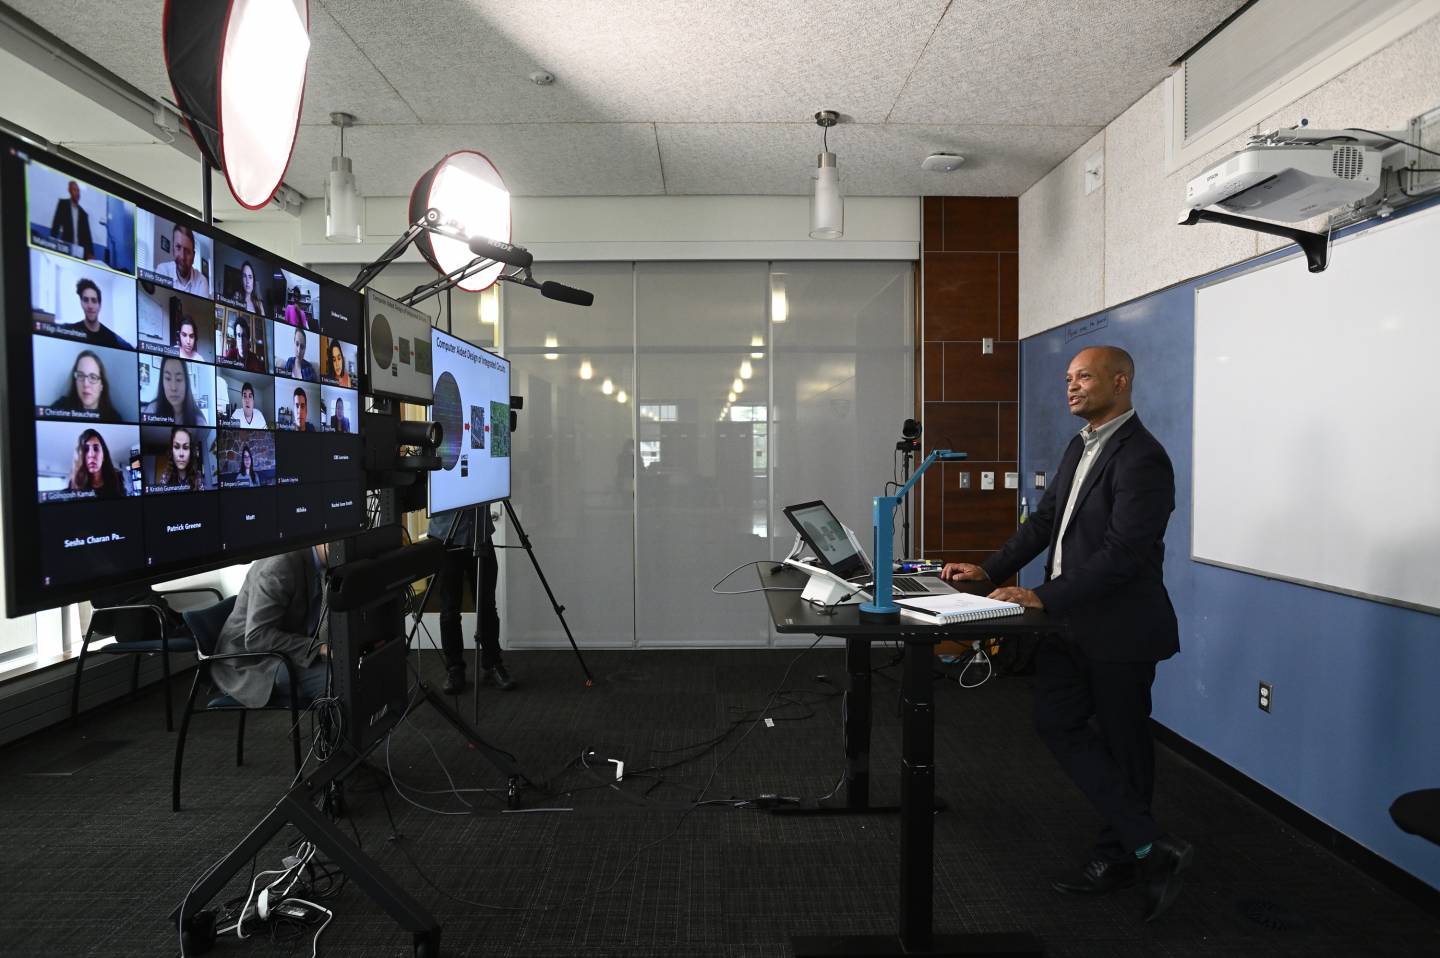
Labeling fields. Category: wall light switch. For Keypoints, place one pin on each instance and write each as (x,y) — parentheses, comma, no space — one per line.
(987,480)
(964,480)
(987,346)
(1039,480)
(1012,480)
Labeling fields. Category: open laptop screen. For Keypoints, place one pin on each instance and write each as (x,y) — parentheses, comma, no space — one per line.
(825,535)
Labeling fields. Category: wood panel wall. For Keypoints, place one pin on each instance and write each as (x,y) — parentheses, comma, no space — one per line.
(970,399)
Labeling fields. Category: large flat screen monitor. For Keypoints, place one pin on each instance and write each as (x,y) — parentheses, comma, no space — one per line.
(400,351)
(472,406)
(175,399)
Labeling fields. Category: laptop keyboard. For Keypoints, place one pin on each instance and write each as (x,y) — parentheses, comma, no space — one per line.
(908,586)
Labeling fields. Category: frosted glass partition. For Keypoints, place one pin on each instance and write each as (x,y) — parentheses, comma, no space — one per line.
(642,481)
(844,384)
(703,497)
(573,454)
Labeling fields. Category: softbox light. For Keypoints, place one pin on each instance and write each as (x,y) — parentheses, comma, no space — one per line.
(237,68)
(473,201)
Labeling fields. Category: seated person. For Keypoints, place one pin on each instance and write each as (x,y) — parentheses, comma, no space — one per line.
(339,375)
(339,422)
(185,339)
(186,465)
(247,296)
(93,470)
(297,366)
(239,350)
(302,405)
(90,327)
(277,610)
(174,402)
(89,390)
(246,476)
(247,416)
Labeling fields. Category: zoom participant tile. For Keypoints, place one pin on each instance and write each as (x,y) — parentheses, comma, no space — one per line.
(90,540)
(248,519)
(300,510)
(344,507)
(181,526)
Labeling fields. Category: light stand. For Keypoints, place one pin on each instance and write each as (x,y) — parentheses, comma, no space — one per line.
(882,607)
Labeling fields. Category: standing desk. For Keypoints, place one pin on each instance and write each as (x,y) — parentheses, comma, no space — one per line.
(792,615)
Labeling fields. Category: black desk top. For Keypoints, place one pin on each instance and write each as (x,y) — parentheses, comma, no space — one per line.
(792,614)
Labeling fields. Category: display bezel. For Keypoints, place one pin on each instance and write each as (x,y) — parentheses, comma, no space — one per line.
(25,590)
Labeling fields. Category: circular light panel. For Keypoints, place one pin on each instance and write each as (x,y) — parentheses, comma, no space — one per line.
(473,200)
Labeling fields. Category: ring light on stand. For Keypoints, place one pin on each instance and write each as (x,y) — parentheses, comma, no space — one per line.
(238,71)
(473,202)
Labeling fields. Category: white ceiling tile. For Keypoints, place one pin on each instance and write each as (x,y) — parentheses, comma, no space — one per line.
(1051,61)
(639,60)
(535,159)
(874,159)
(1013,84)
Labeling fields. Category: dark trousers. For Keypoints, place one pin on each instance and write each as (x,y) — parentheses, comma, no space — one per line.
(1111,759)
(456,576)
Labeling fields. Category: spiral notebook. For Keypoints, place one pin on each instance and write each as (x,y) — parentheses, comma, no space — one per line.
(956,607)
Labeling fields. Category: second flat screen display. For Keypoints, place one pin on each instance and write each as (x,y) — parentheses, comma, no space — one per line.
(472,405)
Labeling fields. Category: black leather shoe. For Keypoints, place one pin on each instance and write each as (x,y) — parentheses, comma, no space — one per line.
(497,677)
(1169,856)
(1099,878)
(454,680)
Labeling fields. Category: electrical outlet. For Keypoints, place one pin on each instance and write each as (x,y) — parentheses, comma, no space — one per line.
(1265,696)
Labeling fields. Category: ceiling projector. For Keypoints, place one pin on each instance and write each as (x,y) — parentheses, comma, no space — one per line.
(1288,181)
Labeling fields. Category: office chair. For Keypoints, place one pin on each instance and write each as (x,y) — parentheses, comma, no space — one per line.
(139,629)
(205,624)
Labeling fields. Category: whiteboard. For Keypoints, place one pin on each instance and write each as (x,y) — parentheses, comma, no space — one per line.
(1317,418)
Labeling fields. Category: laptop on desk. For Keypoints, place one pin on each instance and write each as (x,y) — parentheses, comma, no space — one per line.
(835,552)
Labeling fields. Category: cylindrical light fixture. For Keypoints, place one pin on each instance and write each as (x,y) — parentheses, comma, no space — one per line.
(342,197)
(827,208)
(237,68)
(472,199)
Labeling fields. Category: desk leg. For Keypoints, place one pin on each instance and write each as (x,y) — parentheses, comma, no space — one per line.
(917,847)
(857,725)
(917,799)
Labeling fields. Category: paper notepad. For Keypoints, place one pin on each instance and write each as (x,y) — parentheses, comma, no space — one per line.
(957,607)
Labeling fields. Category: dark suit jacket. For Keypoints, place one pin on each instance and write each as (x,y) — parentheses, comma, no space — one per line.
(62,229)
(270,614)
(1111,590)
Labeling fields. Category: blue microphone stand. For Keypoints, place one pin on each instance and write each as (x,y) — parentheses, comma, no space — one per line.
(882,607)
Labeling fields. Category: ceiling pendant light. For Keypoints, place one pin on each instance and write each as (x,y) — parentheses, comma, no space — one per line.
(342,197)
(827,208)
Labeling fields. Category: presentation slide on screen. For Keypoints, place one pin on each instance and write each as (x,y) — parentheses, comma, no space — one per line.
(399,350)
(472,406)
(180,398)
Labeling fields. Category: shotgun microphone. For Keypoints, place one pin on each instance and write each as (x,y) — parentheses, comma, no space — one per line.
(517,256)
(567,294)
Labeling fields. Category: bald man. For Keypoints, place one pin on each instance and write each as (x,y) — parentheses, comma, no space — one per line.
(1103,521)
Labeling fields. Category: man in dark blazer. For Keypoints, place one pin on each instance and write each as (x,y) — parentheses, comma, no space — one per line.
(71,224)
(1103,521)
(276,610)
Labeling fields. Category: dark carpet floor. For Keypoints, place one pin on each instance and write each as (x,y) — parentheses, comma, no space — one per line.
(94,860)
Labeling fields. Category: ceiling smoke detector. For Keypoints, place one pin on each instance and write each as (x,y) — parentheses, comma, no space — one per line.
(942,162)
(542,78)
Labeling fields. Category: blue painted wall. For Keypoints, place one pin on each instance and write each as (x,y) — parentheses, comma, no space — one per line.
(1356,713)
